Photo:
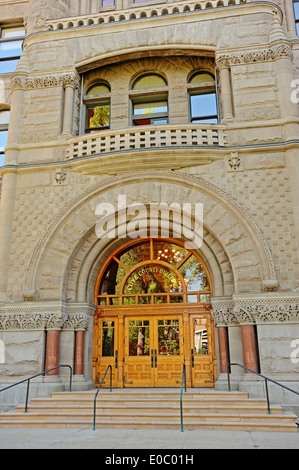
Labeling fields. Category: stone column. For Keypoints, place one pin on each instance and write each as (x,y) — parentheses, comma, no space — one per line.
(225,89)
(249,347)
(9,179)
(52,350)
(223,348)
(67,125)
(79,352)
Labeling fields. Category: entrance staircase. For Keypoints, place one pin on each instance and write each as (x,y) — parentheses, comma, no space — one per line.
(152,409)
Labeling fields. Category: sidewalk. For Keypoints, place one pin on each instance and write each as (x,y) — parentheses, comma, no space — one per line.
(144,439)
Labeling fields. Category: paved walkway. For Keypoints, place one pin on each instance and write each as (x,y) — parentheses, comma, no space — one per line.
(144,439)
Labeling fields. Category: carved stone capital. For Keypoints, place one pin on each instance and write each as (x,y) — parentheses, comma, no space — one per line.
(223,312)
(278,51)
(29,83)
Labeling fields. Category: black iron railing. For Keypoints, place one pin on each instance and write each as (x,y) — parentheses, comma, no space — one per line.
(97,392)
(181,397)
(267,379)
(37,375)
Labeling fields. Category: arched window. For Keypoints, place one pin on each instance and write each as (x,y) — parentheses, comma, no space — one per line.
(203,99)
(4,120)
(97,103)
(153,271)
(149,100)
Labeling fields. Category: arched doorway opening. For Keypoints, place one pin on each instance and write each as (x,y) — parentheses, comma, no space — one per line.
(154,315)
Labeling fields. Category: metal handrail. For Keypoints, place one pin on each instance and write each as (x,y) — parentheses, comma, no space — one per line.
(263,377)
(37,375)
(95,397)
(181,397)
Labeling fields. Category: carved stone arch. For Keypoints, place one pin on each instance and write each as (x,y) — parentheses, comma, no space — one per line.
(84,266)
(226,221)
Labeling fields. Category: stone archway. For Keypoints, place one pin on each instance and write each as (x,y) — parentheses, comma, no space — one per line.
(228,226)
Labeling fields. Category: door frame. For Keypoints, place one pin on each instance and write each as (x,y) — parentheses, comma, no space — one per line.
(120,313)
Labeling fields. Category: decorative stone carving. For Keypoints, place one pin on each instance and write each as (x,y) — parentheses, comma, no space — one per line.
(264,55)
(234,162)
(78,321)
(270,285)
(60,177)
(267,310)
(30,295)
(71,79)
(28,320)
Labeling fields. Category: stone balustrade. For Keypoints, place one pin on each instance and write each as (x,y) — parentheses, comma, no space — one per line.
(146,138)
(140,12)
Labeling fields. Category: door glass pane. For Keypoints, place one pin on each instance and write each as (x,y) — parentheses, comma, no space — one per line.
(108,339)
(168,338)
(200,336)
(139,337)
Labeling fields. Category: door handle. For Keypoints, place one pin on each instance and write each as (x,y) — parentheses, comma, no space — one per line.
(156,358)
(116,359)
(192,357)
(152,358)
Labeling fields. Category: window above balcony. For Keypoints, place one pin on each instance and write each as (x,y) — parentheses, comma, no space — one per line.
(149,100)
(11,40)
(97,107)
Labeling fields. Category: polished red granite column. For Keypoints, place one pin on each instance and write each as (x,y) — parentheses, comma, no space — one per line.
(79,352)
(223,348)
(249,347)
(52,351)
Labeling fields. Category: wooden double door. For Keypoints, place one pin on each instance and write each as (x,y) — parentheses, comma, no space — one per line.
(150,349)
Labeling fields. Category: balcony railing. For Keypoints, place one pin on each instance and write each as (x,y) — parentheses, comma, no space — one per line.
(139,12)
(146,138)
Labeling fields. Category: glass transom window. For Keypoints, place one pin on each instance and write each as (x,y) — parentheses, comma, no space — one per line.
(152,272)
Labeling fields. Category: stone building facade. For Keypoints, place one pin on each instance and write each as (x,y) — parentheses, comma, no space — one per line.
(240,161)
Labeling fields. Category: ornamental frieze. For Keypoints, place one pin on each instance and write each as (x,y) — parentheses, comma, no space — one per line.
(256,311)
(30,83)
(28,320)
(250,57)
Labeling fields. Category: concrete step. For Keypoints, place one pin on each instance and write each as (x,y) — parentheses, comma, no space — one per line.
(104,399)
(132,408)
(199,425)
(139,409)
(148,416)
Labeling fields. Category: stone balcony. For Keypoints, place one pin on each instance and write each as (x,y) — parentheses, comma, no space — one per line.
(147,138)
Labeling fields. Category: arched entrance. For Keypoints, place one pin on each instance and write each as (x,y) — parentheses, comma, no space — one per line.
(154,315)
